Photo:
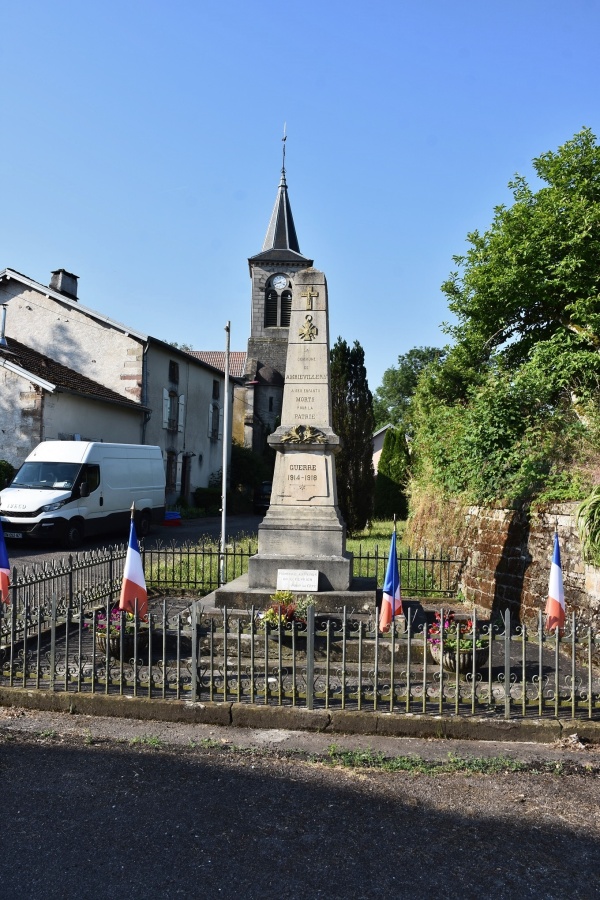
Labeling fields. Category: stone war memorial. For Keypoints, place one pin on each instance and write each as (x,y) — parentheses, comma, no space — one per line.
(302,539)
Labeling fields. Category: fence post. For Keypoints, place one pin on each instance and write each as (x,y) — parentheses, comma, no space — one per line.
(70,579)
(53,644)
(14,587)
(310,657)
(194,664)
(507,663)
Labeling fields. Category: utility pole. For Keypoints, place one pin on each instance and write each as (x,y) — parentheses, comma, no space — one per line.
(225,455)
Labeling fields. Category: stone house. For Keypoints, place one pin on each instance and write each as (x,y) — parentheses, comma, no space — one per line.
(154,393)
(237,367)
(40,396)
(378,442)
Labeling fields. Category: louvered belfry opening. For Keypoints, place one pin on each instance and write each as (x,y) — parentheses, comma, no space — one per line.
(271,308)
(286,308)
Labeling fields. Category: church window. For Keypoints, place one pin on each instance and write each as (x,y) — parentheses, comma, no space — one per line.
(278,308)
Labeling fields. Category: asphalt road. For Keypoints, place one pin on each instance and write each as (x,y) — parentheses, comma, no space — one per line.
(93,815)
(189,532)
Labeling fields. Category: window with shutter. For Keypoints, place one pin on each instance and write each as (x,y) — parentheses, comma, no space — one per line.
(213,421)
(166,407)
(173,416)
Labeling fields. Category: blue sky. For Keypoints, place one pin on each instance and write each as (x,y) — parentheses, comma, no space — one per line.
(141,148)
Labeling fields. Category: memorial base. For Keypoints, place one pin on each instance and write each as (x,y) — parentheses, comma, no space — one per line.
(310,538)
(361,597)
(335,573)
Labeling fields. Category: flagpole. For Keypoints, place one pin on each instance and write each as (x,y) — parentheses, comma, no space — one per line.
(395,586)
(225,455)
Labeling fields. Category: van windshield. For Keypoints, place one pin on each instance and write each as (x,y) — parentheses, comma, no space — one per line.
(50,475)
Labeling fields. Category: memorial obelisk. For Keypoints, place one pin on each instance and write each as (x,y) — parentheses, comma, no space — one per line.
(303,529)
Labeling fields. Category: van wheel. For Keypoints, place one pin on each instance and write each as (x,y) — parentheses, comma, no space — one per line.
(143,528)
(74,535)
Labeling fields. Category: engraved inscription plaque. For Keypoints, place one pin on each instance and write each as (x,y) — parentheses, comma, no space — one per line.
(297,579)
(305,476)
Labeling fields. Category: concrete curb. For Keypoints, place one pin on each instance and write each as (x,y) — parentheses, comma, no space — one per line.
(119,707)
(245,715)
(292,718)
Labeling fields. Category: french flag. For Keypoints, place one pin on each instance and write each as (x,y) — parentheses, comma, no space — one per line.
(391,603)
(4,570)
(134,583)
(555,604)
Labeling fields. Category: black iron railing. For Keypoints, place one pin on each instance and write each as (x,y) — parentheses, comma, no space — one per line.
(96,577)
(326,661)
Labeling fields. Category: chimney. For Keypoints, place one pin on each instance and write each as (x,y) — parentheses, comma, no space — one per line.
(65,283)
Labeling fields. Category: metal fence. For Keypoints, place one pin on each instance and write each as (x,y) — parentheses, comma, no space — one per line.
(330,662)
(96,577)
(50,637)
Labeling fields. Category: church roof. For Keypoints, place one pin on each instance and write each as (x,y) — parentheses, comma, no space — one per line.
(281,241)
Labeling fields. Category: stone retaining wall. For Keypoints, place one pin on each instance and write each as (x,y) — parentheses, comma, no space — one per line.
(507,555)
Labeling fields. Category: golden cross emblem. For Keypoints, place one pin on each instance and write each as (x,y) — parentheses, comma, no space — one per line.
(308,332)
(309,294)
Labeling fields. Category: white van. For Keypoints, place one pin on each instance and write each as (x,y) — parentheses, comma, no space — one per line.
(68,490)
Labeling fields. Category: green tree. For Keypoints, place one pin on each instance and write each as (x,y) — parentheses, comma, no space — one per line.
(535,272)
(392,476)
(247,468)
(186,347)
(392,399)
(7,472)
(353,422)
(508,413)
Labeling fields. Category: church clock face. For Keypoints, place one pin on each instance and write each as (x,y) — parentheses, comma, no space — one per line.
(279,282)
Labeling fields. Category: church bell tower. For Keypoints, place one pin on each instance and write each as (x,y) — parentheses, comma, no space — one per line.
(272,272)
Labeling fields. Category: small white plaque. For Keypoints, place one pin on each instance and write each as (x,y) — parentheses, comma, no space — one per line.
(298,580)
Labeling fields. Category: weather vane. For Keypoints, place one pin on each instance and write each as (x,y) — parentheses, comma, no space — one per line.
(284,139)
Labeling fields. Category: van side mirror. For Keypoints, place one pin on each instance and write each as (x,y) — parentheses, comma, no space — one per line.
(84,489)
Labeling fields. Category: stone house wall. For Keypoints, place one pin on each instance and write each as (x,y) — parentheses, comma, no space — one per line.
(65,331)
(21,405)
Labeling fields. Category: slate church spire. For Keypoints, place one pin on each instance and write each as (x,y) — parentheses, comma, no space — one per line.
(281,241)
(272,271)
(281,233)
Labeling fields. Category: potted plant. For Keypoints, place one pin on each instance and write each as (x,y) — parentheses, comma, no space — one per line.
(459,640)
(284,611)
(119,622)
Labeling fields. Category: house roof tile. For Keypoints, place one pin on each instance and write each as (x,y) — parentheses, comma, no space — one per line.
(216,358)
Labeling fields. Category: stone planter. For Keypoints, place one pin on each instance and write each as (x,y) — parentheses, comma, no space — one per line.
(114,644)
(287,636)
(465,658)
